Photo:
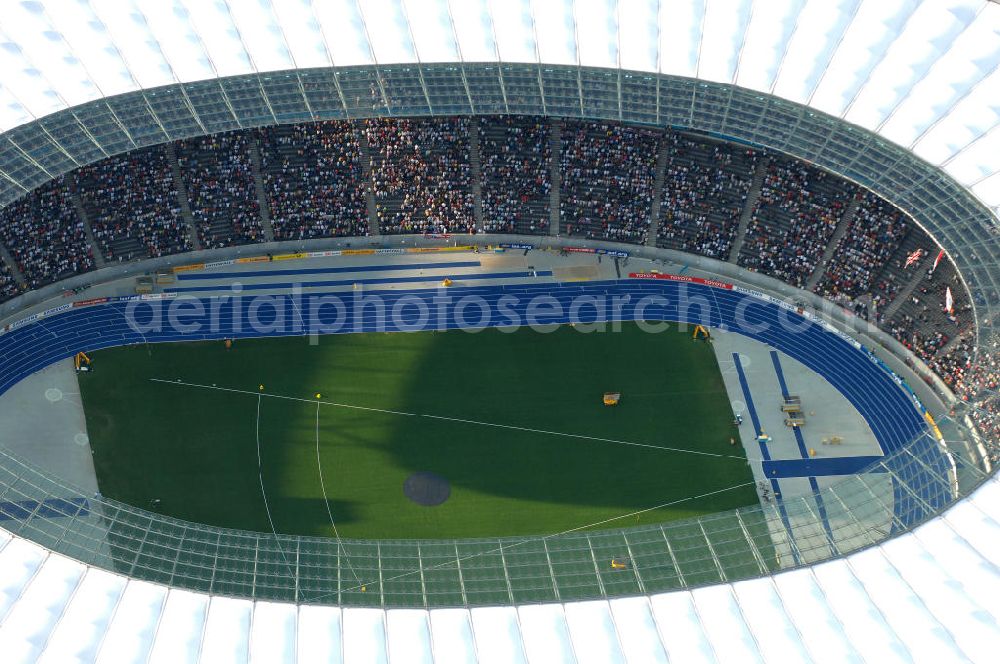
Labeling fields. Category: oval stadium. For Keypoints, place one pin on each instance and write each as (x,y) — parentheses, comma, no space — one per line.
(531,331)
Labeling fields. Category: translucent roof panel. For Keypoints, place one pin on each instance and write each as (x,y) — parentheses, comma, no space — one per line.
(639,35)
(34,95)
(968,64)
(923,73)
(474,27)
(52,56)
(975,114)
(128,32)
(433,30)
(680,36)
(875,27)
(187,56)
(514,30)
(261,35)
(79,634)
(819,29)
(181,625)
(389,31)
(302,33)
(931,594)
(556,27)
(772,26)
(988,190)
(128,637)
(929,33)
(723,33)
(319,635)
(597,32)
(978,161)
(345,32)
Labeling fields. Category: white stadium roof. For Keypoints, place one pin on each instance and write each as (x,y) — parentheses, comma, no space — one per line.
(931,595)
(923,74)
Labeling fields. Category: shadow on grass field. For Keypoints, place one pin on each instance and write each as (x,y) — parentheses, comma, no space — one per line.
(196,449)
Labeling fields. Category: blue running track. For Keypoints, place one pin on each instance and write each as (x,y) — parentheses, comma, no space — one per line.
(765,454)
(888,410)
(801,444)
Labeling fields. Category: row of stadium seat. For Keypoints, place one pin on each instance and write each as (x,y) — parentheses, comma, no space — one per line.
(315,177)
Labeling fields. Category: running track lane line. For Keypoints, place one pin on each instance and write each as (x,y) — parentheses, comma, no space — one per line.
(766,456)
(452,419)
(801,443)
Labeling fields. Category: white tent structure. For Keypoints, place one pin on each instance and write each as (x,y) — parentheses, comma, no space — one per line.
(916,82)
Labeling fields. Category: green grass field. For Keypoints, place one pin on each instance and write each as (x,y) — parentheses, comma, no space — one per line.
(196,449)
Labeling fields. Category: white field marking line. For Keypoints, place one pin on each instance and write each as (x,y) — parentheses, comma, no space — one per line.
(278,396)
(129,325)
(326,501)
(547,537)
(458,419)
(581,436)
(263,493)
(41,323)
(302,320)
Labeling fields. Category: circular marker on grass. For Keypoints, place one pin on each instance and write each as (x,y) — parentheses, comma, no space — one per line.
(427,489)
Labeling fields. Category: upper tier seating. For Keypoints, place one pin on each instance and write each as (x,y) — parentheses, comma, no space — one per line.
(313,177)
(421,175)
(132,204)
(797,212)
(516,159)
(45,236)
(872,237)
(8,285)
(705,189)
(921,322)
(607,180)
(218,176)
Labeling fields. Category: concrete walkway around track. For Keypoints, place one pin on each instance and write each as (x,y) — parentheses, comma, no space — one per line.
(784,465)
(42,422)
(390,272)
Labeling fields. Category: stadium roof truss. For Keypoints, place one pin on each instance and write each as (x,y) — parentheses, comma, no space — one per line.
(901,96)
(878,91)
